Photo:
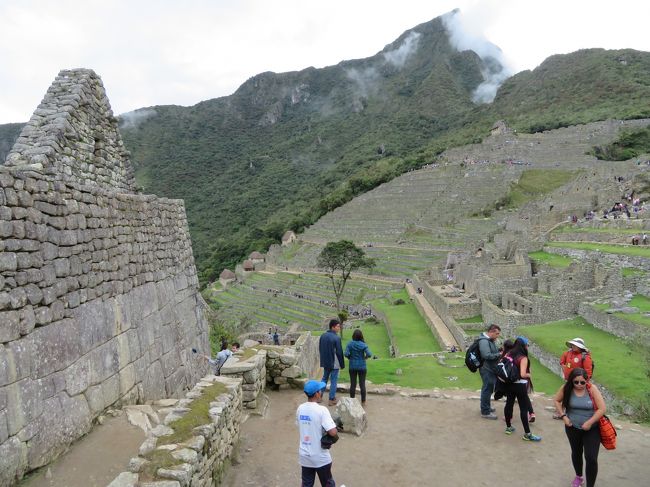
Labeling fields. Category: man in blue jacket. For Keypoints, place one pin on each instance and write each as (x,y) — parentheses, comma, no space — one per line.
(331,357)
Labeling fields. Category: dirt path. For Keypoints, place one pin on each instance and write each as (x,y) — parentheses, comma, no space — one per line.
(432,317)
(93,461)
(426,441)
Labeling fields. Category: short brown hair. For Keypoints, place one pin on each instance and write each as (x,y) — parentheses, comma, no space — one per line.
(493,327)
(334,322)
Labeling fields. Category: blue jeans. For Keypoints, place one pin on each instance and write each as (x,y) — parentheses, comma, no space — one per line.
(333,375)
(489,379)
(324,475)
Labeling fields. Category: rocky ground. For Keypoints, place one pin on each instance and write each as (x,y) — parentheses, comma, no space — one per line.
(437,440)
(431,441)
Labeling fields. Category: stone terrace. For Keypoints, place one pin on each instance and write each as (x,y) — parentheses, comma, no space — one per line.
(286,298)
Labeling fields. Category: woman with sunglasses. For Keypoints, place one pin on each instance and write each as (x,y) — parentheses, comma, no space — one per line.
(580,405)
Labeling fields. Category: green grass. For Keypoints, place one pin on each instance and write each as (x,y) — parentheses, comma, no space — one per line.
(543,379)
(410,331)
(570,228)
(629,250)
(618,367)
(423,373)
(632,272)
(375,336)
(536,182)
(638,301)
(471,319)
(553,260)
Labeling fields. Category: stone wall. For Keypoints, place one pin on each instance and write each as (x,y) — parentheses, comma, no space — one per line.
(252,372)
(73,135)
(603,257)
(287,366)
(99,301)
(610,323)
(200,458)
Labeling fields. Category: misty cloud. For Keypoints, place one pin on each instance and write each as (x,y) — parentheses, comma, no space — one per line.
(495,70)
(130,120)
(397,57)
(364,80)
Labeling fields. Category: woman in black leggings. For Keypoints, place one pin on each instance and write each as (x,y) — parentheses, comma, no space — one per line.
(519,390)
(580,405)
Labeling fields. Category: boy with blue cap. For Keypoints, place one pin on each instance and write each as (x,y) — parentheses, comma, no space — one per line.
(314,421)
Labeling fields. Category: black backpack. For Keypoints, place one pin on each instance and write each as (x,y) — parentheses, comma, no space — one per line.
(473,359)
(507,370)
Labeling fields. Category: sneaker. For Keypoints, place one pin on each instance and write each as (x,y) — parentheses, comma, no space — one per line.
(578,481)
(489,416)
(510,430)
(332,402)
(493,410)
(531,437)
(531,417)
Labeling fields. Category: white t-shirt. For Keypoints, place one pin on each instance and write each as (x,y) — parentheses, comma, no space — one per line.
(313,420)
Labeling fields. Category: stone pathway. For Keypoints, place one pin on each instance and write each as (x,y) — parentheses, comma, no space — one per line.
(432,317)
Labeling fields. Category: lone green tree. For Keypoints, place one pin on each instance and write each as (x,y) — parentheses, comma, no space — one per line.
(338,260)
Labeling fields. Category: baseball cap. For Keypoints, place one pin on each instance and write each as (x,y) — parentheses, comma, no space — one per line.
(313,386)
(523,340)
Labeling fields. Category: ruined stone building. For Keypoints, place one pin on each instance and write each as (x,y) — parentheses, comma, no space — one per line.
(99,301)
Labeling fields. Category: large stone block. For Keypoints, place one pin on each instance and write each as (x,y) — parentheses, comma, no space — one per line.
(57,345)
(9,326)
(13,453)
(352,415)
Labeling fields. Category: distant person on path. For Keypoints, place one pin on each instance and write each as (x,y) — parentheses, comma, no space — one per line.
(490,355)
(222,356)
(581,405)
(519,390)
(276,337)
(315,421)
(577,356)
(331,357)
(357,352)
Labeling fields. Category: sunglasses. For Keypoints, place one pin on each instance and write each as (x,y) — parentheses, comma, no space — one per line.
(580,382)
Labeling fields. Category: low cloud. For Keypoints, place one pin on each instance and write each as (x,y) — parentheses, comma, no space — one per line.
(397,57)
(131,120)
(495,69)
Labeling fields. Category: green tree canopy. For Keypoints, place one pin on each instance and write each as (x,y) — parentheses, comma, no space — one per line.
(338,260)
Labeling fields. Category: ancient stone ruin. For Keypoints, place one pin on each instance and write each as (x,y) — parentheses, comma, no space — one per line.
(99,301)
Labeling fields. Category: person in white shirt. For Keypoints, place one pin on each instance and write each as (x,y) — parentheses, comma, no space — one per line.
(314,421)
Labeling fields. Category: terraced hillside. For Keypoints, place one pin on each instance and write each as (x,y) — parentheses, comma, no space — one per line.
(285,298)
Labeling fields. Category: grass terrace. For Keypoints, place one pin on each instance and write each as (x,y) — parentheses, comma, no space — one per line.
(619,366)
(570,228)
(553,260)
(632,272)
(536,182)
(638,301)
(411,332)
(629,250)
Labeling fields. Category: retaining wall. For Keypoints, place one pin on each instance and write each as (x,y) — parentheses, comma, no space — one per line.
(202,456)
(611,323)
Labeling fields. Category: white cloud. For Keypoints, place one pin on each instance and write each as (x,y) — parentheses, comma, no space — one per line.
(168,52)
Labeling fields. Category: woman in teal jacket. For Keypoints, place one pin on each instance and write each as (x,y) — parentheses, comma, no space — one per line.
(357,352)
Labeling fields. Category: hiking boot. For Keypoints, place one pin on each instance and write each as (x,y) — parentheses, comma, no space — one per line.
(578,481)
(531,417)
(531,437)
(510,430)
(333,402)
(489,416)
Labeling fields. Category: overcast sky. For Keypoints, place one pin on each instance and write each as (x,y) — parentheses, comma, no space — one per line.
(153,52)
